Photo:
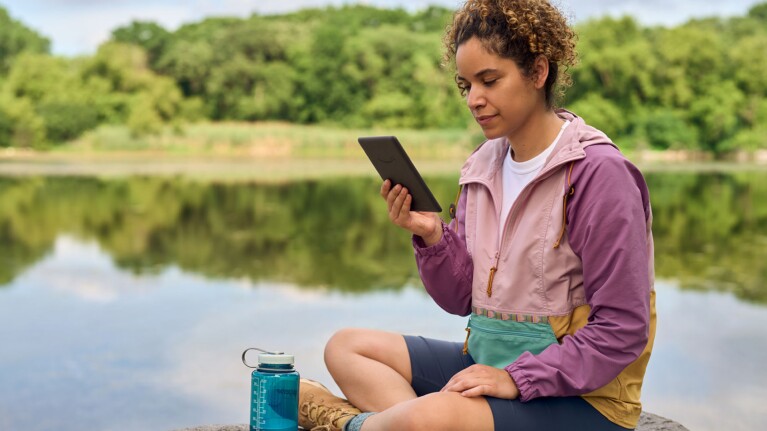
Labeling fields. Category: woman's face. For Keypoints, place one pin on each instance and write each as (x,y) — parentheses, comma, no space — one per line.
(499,95)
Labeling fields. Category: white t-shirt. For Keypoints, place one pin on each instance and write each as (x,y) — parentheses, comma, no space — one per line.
(516,175)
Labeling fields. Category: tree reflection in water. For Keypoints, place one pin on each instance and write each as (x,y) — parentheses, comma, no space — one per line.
(710,229)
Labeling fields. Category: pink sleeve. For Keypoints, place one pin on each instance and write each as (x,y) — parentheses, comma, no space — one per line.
(446,268)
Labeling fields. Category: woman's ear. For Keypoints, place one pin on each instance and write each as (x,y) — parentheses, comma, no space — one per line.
(540,71)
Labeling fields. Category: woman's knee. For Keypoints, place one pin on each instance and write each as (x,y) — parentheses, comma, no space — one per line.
(343,342)
(385,347)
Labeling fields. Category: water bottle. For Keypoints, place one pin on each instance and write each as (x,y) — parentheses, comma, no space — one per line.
(274,392)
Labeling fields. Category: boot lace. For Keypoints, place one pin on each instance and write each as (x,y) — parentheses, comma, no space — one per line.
(325,417)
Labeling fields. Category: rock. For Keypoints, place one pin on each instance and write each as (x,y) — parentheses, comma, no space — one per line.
(651,422)
(647,422)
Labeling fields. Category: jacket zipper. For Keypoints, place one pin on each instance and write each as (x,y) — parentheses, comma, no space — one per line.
(541,176)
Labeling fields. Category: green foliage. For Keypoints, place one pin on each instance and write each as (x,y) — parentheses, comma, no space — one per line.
(65,120)
(666,129)
(70,96)
(137,96)
(6,128)
(695,86)
(60,98)
(716,114)
(758,12)
(148,35)
(601,113)
(20,125)
(15,38)
(689,87)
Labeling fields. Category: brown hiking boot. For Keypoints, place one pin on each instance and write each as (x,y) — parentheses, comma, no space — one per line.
(319,409)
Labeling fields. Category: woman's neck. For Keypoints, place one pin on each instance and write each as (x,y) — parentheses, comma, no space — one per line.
(539,132)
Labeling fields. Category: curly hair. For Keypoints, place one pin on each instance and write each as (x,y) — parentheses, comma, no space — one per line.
(520,30)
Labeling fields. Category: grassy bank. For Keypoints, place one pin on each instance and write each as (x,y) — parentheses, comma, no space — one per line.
(266,140)
(260,151)
(279,152)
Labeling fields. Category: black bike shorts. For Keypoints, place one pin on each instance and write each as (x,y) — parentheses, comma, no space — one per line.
(434,362)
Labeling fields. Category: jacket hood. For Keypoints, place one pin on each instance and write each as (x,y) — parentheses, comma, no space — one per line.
(489,156)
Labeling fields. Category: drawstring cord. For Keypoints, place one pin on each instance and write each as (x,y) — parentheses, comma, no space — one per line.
(490,281)
(454,206)
(570,191)
(466,343)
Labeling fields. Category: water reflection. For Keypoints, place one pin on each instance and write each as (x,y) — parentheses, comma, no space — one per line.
(90,346)
(710,229)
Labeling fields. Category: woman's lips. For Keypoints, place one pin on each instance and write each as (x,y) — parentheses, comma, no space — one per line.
(484,120)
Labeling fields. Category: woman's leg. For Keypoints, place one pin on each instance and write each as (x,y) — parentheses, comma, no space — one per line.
(425,365)
(371,367)
(444,411)
(373,370)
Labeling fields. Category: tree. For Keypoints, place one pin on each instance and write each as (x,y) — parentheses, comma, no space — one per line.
(758,12)
(602,114)
(146,34)
(66,106)
(698,85)
(136,94)
(15,38)
(666,128)
(20,126)
(749,62)
(715,113)
(273,94)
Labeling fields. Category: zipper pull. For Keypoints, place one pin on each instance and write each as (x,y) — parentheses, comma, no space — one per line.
(490,282)
(492,274)
(466,343)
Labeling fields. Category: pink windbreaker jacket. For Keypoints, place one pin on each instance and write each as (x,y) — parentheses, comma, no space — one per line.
(576,254)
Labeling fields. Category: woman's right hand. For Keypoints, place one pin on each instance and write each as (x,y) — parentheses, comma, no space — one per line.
(427,225)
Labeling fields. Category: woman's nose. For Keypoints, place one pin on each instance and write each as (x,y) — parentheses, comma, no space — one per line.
(475,98)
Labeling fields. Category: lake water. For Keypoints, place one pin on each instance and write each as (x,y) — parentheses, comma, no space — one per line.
(125,303)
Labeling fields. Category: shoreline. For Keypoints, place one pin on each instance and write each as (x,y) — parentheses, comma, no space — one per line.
(232,167)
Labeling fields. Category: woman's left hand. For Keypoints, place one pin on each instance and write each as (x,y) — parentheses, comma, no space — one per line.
(478,380)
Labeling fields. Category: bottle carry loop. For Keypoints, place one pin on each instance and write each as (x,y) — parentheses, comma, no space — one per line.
(244,361)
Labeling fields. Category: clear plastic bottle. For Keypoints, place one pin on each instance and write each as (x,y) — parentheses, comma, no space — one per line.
(274,393)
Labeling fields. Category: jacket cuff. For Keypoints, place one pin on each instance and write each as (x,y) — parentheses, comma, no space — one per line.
(423,250)
(523,382)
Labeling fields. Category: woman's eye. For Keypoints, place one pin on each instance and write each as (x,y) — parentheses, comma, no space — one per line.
(489,83)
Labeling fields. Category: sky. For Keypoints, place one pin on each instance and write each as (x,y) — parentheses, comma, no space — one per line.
(78,27)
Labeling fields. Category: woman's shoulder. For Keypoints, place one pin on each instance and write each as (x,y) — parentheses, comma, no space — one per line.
(606,169)
(605,159)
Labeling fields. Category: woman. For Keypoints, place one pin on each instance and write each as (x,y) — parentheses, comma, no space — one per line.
(550,253)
